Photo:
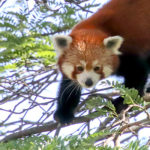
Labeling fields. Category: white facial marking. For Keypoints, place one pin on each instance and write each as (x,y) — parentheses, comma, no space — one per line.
(60,46)
(67,68)
(82,77)
(114,43)
(83,63)
(95,62)
(107,71)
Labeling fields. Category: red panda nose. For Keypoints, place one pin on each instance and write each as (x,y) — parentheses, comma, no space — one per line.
(88,82)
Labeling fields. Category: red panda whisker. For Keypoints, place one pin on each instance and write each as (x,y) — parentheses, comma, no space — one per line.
(66,88)
(78,87)
(74,88)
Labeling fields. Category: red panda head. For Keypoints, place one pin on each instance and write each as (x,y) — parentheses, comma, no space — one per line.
(87,57)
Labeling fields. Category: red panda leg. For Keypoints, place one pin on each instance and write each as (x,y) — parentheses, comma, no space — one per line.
(135,72)
(68,99)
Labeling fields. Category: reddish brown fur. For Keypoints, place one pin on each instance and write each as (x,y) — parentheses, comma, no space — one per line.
(128,18)
(88,50)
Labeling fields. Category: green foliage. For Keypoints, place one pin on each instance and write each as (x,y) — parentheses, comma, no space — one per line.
(29,143)
(136,146)
(130,96)
(20,47)
(98,136)
(102,106)
(99,106)
(68,143)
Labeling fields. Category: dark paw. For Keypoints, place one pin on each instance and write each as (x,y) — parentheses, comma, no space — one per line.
(63,117)
(118,103)
(148,90)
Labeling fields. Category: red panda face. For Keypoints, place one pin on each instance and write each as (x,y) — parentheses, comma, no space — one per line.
(87,62)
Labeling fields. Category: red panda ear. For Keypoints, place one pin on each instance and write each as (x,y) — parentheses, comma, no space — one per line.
(61,42)
(113,43)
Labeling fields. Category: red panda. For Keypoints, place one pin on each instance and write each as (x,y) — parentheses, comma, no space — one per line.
(116,39)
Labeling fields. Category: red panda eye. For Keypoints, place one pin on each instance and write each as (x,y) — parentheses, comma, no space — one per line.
(97,68)
(80,68)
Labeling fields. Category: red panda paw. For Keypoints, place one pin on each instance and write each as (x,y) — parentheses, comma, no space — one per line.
(63,117)
(119,105)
